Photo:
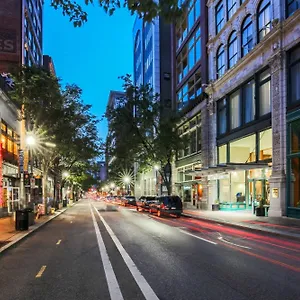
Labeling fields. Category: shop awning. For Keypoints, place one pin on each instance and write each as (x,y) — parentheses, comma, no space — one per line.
(225,168)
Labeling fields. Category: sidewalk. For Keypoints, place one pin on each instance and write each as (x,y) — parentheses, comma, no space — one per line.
(282,226)
(9,236)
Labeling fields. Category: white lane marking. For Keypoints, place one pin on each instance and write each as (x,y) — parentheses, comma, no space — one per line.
(113,286)
(198,237)
(59,241)
(41,271)
(144,286)
(230,243)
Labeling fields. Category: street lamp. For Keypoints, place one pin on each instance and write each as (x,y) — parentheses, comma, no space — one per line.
(156,167)
(30,140)
(112,185)
(65,174)
(126,180)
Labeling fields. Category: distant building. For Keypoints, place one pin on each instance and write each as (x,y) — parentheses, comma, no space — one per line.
(21,24)
(152,65)
(48,64)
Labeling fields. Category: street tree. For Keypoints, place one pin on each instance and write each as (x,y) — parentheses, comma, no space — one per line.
(148,10)
(58,116)
(145,131)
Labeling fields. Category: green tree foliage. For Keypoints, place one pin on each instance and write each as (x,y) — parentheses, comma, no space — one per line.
(58,116)
(146,9)
(144,131)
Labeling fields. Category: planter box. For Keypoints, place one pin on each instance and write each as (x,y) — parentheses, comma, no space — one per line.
(215,207)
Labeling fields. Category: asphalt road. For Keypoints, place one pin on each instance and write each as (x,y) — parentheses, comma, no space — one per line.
(100,251)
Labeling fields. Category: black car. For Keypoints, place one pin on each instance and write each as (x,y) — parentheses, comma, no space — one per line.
(128,200)
(144,202)
(167,205)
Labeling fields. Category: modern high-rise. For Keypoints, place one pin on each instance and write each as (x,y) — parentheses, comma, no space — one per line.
(152,65)
(21,24)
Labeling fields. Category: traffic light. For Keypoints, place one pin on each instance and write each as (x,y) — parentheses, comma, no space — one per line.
(27,180)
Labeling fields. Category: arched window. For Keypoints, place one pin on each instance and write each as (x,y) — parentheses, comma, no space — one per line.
(264,19)
(220,61)
(247,35)
(232,50)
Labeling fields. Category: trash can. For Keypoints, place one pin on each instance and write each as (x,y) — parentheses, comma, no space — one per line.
(30,216)
(65,203)
(21,220)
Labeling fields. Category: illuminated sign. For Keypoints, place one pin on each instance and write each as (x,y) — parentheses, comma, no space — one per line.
(8,42)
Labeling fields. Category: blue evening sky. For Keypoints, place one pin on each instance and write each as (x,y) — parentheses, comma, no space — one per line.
(92,56)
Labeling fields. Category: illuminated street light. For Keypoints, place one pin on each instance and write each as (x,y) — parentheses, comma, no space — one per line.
(112,185)
(126,179)
(51,145)
(65,174)
(156,167)
(30,140)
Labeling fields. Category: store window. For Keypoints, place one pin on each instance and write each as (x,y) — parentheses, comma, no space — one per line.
(264,93)
(265,144)
(294,76)
(294,188)
(222,116)
(10,147)
(220,20)
(247,35)
(222,154)
(249,101)
(235,110)
(231,8)
(232,50)
(264,19)
(3,127)
(243,150)
(3,141)
(220,61)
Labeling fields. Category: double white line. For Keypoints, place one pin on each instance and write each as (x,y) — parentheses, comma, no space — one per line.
(113,286)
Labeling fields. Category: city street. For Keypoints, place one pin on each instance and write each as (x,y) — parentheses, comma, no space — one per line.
(96,250)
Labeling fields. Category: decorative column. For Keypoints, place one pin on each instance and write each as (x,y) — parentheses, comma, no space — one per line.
(278,105)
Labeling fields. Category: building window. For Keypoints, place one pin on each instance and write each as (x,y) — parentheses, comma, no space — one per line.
(247,35)
(264,93)
(292,6)
(249,101)
(220,61)
(182,97)
(243,150)
(231,8)
(264,19)
(265,144)
(235,110)
(199,138)
(219,16)
(222,116)
(193,140)
(222,154)
(294,76)
(3,128)
(232,50)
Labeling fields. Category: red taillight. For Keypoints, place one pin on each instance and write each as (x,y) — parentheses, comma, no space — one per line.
(162,206)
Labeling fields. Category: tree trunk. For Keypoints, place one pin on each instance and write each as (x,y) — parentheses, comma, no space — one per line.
(44,187)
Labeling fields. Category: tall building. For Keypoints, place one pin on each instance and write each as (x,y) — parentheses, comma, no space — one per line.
(189,38)
(20,33)
(152,65)
(253,107)
(48,64)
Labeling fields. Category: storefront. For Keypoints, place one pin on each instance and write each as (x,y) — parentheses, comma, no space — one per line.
(240,187)
(293,164)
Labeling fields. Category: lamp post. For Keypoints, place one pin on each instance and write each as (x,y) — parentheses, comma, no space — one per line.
(156,168)
(126,181)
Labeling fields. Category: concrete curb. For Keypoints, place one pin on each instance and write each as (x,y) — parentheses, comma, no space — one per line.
(247,228)
(35,227)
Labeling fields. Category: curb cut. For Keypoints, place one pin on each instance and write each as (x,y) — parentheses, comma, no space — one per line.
(246,228)
(18,239)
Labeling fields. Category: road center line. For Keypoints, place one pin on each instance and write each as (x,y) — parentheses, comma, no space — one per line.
(113,286)
(144,286)
(198,237)
(41,271)
(59,241)
(230,243)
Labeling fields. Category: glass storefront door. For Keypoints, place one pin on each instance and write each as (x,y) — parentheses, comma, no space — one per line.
(259,190)
(13,199)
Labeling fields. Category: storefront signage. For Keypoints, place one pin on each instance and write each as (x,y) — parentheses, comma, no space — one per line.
(8,42)
(275,192)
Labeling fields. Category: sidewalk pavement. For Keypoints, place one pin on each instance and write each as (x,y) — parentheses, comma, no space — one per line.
(9,236)
(280,226)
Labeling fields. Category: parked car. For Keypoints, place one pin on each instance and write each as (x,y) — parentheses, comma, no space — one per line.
(128,200)
(144,202)
(167,205)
